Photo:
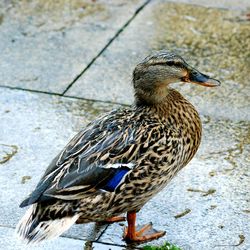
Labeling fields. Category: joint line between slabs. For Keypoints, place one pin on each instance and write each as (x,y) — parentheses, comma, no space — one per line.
(102,233)
(31,90)
(64,96)
(137,11)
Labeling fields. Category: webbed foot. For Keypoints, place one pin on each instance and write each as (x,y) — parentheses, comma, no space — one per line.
(145,233)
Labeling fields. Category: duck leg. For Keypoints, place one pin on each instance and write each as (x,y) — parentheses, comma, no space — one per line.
(109,220)
(146,233)
(115,219)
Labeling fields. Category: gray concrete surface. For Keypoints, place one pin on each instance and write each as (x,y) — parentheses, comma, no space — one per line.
(224,4)
(45,45)
(8,242)
(66,35)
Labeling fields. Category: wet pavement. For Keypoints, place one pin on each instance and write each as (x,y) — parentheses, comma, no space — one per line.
(63,64)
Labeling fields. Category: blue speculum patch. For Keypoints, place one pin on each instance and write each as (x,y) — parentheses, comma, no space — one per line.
(115,180)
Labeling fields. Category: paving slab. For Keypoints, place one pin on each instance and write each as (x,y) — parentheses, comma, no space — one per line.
(225,4)
(213,190)
(9,242)
(34,128)
(216,41)
(45,45)
(99,246)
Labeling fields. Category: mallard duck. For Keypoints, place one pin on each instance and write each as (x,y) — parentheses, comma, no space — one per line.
(123,158)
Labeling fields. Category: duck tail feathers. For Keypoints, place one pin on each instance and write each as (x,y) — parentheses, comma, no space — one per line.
(31,229)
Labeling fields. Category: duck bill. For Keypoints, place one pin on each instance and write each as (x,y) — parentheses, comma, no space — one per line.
(198,78)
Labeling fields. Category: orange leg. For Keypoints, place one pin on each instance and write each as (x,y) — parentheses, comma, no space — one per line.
(109,220)
(146,233)
(115,219)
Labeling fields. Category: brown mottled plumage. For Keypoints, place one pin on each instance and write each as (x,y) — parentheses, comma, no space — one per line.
(120,160)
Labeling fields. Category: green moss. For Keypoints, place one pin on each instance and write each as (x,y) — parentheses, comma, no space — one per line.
(165,246)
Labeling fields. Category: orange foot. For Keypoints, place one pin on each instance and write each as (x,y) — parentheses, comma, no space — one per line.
(146,233)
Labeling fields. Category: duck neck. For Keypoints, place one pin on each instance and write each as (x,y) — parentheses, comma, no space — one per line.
(151,96)
(165,103)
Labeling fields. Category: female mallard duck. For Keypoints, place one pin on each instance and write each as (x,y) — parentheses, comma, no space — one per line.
(122,159)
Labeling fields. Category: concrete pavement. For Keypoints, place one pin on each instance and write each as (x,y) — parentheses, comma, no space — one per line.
(64,63)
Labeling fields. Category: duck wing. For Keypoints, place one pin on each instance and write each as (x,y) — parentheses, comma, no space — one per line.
(96,159)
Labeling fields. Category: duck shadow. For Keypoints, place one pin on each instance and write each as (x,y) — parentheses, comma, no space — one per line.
(96,232)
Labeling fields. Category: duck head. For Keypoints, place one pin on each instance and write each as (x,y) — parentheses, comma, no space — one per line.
(152,76)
